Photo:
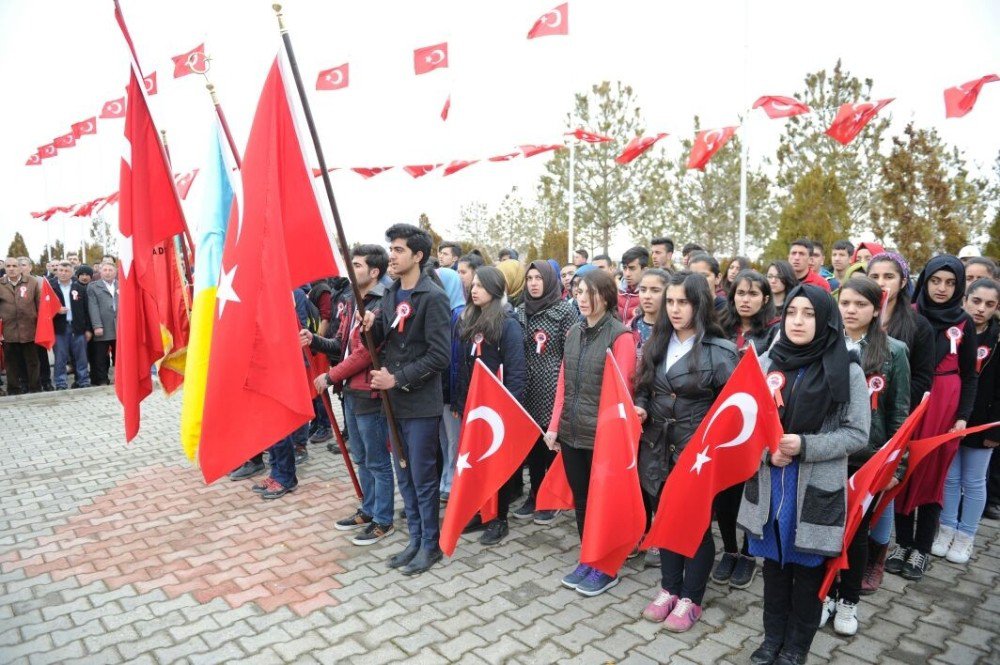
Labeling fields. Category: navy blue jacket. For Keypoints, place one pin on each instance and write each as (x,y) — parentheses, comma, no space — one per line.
(509,353)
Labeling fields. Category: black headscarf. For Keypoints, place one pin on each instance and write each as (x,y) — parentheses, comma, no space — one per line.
(552,292)
(941,315)
(825,381)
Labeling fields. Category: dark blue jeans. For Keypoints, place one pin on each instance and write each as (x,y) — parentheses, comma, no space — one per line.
(283,459)
(71,345)
(322,421)
(418,482)
(368,443)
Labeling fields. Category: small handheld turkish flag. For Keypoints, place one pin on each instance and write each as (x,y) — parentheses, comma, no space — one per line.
(554,22)
(852,118)
(335,78)
(637,146)
(192,62)
(114,108)
(616,515)
(706,144)
(429,58)
(776,106)
(496,435)
(725,450)
(959,100)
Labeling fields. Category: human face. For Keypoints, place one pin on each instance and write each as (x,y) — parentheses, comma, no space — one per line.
(466,272)
(680,311)
(12,269)
(856,310)
(888,277)
(632,272)
(981,305)
(74,260)
(660,257)
(799,257)
(579,260)
(566,275)
(651,292)
(941,286)
(800,321)
(703,268)
(108,272)
(83,278)
(480,296)
(590,303)
(534,283)
(362,273)
(748,298)
(402,258)
(604,265)
(841,260)
(974,271)
(816,259)
(25,268)
(734,270)
(864,256)
(64,273)
(447,257)
(774,281)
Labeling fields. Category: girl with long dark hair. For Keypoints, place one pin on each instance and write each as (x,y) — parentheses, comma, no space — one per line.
(737,265)
(781,279)
(887,372)
(938,297)
(578,395)
(685,364)
(652,289)
(489,332)
(794,509)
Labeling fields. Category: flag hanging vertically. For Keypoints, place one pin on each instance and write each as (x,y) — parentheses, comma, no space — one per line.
(258,389)
(48,307)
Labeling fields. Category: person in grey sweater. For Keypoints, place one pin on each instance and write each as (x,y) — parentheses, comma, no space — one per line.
(794,510)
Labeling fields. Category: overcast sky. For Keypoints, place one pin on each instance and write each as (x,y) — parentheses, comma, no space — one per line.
(61,59)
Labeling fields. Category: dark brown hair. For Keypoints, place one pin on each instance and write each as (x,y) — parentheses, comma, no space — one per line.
(601,285)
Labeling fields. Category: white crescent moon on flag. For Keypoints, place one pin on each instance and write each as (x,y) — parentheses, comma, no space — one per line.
(748,409)
(148,83)
(88,127)
(557,15)
(115,108)
(337,77)
(779,106)
(491,418)
(435,57)
(710,141)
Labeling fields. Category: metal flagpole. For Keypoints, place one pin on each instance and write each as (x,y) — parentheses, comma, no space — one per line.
(744,139)
(394,438)
(572,197)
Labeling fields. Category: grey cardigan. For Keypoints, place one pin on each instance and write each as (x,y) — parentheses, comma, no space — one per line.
(821,495)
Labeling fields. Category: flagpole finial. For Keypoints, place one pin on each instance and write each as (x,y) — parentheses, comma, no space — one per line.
(281,18)
(211,91)
(163,135)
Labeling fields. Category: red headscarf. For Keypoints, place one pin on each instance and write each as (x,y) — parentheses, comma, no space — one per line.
(872,247)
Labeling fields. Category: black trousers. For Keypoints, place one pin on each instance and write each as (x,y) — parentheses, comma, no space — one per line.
(791,605)
(539,460)
(849,586)
(993,481)
(104,354)
(577,462)
(508,492)
(44,366)
(727,507)
(686,577)
(919,527)
(22,367)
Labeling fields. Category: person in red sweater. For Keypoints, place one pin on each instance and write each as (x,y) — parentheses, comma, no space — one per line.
(634,261)
(799,254)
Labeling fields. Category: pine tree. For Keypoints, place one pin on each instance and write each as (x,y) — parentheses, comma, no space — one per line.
(817,208)
(17,246)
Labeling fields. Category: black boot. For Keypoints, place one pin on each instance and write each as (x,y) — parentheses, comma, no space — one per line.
(775,625)
(405,557)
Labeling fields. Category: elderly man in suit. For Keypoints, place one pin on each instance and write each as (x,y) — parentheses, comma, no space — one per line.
(19,315)
(72,327)
(102,306)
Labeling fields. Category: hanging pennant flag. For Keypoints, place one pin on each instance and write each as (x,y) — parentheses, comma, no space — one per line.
(589,137)
(852,118)
(114,108)
(420,170)
(706,144)
(334,78)
(637,146)
(959,100)
(64,141)
(47,151)
(530,150)
(457,165)
(507,157)
(429,58)
(88,126)
(192,62)
(34,160)
(446,109)
(554,22)
(367,173)
(780,107)
(149,83)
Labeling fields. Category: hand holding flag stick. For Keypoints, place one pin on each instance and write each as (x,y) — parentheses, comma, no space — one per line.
(394,437)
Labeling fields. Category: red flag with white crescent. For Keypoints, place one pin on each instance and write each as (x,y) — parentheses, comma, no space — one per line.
(706,144)
(367,173)
(149,82)
(852,118)
(192,62)
(419,170)
(457,165)
(48,308)
(776,106)
(34,160)
(958,101)
(335,78)
(113,109)
(88,126)
(429,58)
(637,146)
(552,22)
(554,493)
(589,137)
(47,151)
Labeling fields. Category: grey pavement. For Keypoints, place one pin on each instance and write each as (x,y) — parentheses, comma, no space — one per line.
(112,553)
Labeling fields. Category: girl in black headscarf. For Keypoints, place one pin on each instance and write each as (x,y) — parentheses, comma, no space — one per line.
(795,508)
(938,297)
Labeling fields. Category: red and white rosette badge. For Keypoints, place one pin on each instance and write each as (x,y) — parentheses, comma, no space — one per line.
(541,339)
(776,381)
(477,345)
(340,309)
(982,353)
(24,291)
(954,334)
(876,384)
(403,311)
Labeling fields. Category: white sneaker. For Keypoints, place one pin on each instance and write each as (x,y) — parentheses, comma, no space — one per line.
(961,548)
(829,609)
(942,542)
(846,620)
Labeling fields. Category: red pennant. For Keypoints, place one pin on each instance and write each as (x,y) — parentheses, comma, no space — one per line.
(47,151)
(64,141)
(852,118)
(532,150)
(958,101)
(507,157)
(637,146)
(371,172)
(553,22)
(34,160)
(446,109)
(192,62)
(706,144)
(88,126)
(149,82)
(335,78)
(780,107)
(457,165)
(114,108)
(429,58)
(589,137)
(420,170)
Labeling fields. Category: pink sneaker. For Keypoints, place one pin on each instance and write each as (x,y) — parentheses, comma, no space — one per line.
(661,606)
(684,615)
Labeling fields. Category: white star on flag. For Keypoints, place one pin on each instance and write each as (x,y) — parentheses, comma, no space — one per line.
(462,463)
(226,293)
(700,461)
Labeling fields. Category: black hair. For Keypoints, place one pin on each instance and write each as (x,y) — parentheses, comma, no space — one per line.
(584,253)
(990,264)
(509,252)
(844,245)
(876,352)
(603,257)
(456,248)
(704,257)
(702,303)
(601,285)
(375,257)
(744,264)
(902,323)
(666,242)
(488,320)
(731,319)
(802,242)
(983,283)
(84,269)
(692,247)
(817,244)
(785,274)
(417,240)
(633,253)
(474,259)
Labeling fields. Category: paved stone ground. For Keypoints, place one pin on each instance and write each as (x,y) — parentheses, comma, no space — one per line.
(112,553)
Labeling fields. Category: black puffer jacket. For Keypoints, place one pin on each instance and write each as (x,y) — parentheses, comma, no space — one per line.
(987,406)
